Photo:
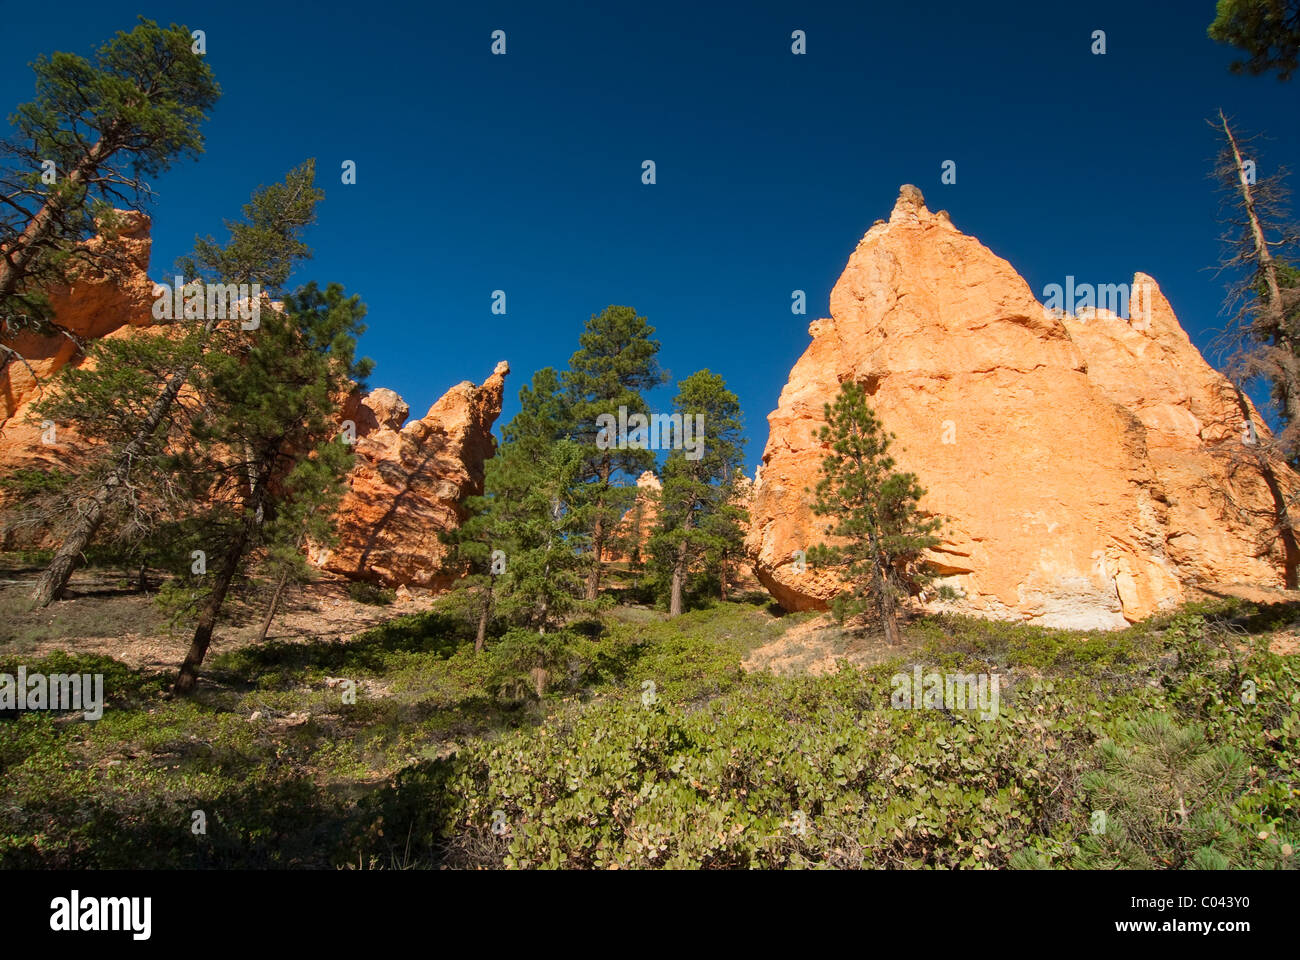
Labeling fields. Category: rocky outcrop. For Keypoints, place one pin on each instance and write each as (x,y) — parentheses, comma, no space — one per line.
(409,481)
(638,522)
(1221,513)
(1086,465)
(108,300)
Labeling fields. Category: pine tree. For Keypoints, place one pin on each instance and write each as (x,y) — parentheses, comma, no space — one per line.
(1165,798)
(614,363)
(873,507)
(1262,246)
(544,413)
(107,125)
(1262,339)
(481,546)
(1267,30)
(698,484)
(529,515)
(263,249)
(265,435)
(106,399)
(476,559)
(724,537)
(309,499)
(493,524)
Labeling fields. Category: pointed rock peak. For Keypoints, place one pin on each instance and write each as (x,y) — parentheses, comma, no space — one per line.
(387,408)
(910,195)
(1151,312)
(910,208)
(501,368)
(910,204)
(648,479)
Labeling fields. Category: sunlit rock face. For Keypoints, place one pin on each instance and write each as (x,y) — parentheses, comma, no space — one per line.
(409,481)
(1089,468)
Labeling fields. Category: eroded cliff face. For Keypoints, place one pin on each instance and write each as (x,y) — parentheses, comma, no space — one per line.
(407,483)
(1089,467)
(638,522)
(109,302)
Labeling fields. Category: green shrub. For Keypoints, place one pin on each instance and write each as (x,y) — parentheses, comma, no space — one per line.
(1163,798)
(1186,734)
(371,593)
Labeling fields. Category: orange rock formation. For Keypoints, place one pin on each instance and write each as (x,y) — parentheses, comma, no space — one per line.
(1089,467)
(99,303)
(409,481)
(638,522)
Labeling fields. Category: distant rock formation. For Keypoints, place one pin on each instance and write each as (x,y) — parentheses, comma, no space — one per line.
(109,301)
(405,488)
(1089,466)
(638,522)
(409,482)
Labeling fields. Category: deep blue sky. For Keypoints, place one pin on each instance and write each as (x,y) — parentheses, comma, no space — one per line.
(523,172)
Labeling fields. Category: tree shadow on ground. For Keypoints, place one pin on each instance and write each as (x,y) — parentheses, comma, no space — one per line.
(1263,617)
(430,632)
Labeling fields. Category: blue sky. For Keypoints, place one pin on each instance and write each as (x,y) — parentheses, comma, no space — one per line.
(523,172)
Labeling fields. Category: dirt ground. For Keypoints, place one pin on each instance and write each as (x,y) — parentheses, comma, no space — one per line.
(106,616)
(103,616)
(818,646)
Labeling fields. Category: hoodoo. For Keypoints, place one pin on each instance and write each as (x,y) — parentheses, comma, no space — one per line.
(405,488)
(408,483)
(1089,468)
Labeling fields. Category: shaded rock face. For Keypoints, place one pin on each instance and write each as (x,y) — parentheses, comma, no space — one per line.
(409,481)
(1089,467)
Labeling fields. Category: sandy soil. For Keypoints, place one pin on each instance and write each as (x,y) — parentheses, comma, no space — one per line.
(103,617)
(818,646)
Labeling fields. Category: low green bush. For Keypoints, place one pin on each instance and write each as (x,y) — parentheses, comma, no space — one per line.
(635,741)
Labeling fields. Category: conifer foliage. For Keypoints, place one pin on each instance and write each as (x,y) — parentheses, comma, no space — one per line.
(96,131)
(697,515)
(875,512)
(615,362)
(267,441)
(135,407)
(524,543)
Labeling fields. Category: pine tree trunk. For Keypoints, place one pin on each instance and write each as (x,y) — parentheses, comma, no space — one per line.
(270,610)
(55,578)
(546,576)
(679,576)
(1288,361)
(19,258)
(597,552)
(889,617)
(211,609)
(480,638)
(679,568)
(722,592)
(189,672)
(884,596)
(598,537)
